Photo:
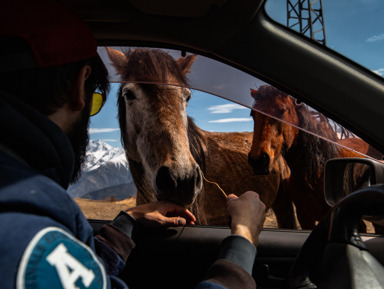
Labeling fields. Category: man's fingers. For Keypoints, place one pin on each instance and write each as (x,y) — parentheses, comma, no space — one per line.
(189,217)
(174,221)
(183,219)
(162,213)
(179,211)
(180,221)
(232,196)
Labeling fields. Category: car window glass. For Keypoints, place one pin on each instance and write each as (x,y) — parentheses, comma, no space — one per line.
(352,28)
(229,122)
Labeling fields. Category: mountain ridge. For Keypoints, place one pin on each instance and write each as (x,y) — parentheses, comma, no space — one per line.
(105,174)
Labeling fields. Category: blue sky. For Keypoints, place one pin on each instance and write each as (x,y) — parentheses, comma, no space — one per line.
(354,28)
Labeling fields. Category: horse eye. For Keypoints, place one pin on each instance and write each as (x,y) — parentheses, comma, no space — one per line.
(128,94)
(188,97)
(281,111)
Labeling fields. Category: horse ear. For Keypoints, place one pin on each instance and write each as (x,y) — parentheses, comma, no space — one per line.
(119,60)
(185,63)
(254,92)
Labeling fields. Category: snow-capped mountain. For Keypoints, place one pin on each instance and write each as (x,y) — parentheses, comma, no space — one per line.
(105,174)
(99,153)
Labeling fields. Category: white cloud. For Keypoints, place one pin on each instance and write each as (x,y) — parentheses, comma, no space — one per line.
(225,120)
(379,71)
(375,38)
(110,140)
(102,130)
(225,108)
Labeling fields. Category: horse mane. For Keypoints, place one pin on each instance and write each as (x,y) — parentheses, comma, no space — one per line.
(315,150)
(152,65)
(196,147)
(196,144)
(266,92)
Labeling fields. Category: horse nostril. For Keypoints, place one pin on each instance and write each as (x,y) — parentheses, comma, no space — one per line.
(164,180)
(265,159)
(260,164)
(251,160)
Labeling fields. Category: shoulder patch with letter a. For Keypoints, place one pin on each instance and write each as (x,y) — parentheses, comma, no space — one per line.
(55,259)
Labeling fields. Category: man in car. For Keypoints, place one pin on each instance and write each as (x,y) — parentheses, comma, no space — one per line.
(52,81)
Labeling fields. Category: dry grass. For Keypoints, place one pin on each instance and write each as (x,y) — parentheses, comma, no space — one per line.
(104,210)
(108,210)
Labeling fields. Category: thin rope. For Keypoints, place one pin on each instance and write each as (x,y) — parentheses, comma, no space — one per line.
(225,195)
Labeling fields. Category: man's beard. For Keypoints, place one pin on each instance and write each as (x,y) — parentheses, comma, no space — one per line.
(79,138)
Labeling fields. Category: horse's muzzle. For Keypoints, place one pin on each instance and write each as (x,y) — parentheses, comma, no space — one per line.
(179,188)
(260,165)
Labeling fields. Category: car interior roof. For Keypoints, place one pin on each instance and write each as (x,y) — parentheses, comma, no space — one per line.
(231,31)
(200,25)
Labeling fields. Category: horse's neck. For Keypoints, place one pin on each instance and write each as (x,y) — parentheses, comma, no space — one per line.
(291,154)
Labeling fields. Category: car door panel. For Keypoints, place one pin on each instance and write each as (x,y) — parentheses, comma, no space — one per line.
(175,256)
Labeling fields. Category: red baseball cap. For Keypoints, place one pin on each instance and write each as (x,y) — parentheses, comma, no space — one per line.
(54,33)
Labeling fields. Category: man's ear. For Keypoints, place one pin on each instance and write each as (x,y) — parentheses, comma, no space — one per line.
(78,97)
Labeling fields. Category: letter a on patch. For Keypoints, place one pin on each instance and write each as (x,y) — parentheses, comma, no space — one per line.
(55,259)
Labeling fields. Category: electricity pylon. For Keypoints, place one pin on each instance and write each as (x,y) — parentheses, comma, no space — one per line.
(306,17)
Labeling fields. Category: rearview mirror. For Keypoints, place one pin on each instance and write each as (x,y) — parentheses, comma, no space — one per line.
(344,176)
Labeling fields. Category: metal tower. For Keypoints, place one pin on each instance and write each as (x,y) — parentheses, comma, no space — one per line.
(306,17)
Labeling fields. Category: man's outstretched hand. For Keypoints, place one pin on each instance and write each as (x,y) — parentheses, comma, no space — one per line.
(162,214)
(247,213)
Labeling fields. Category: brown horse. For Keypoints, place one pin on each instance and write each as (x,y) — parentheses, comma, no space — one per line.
(169,155)
(304,152)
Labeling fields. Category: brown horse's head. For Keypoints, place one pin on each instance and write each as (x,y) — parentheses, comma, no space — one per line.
(154,125)
(271,137)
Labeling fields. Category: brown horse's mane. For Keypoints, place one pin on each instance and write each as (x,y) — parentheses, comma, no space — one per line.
(196,144)
(315,150)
